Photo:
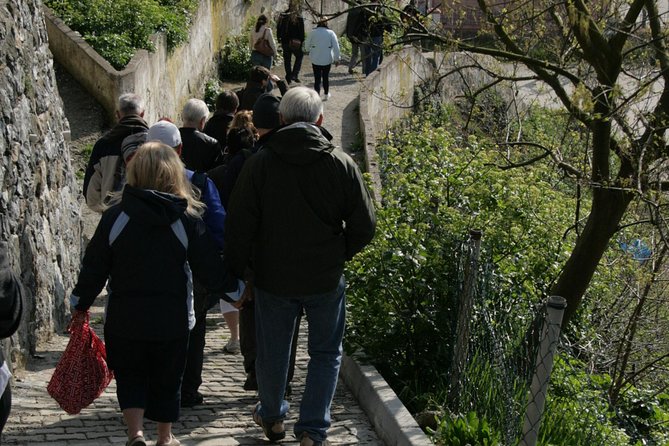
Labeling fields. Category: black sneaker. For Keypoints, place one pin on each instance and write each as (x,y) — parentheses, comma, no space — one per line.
(191,399)
(274,431)
(297,80)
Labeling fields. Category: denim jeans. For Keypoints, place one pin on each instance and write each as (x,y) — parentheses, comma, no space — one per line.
(276,317)
(372,53)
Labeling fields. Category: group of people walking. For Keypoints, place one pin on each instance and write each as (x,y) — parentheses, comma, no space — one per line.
(365,28)
(255,208)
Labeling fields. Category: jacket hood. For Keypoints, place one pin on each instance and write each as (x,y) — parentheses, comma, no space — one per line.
(300,143)
(151,207)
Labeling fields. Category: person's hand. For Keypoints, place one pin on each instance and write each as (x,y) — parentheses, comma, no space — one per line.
(274,77)
(247,295)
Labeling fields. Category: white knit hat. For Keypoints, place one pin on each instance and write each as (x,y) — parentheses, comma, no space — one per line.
(165,132)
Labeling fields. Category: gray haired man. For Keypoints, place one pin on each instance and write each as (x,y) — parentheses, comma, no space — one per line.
(200,151)
(104,172)
(299,210)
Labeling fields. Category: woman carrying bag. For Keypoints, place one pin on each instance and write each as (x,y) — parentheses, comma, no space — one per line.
(263,46)
(147,243)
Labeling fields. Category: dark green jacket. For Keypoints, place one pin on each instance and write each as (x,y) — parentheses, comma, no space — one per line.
(299,210)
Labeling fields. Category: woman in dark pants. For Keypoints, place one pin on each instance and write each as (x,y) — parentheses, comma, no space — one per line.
(147,244)
(323,48)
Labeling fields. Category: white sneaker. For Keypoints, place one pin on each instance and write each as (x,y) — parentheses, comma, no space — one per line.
(232,347)
(326,97)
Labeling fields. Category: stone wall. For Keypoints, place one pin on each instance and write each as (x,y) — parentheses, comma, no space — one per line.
(165,80)
(388,95)
(39,215)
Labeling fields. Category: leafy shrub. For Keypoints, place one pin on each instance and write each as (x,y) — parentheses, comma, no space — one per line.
(577,411)
(466,430)
(235,57)
(116,29)
(405,286)
(211,92)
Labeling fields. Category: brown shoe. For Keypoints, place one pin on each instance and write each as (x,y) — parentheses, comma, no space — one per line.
(273,431)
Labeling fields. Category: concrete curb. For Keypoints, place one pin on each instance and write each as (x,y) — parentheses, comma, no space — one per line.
(391,420)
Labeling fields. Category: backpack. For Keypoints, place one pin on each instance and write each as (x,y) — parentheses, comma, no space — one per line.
(129,146)
(199,180)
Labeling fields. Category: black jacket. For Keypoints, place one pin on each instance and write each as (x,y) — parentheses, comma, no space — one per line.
(355,28)
(147,245)
(299,210)
(287,29)
(217,127)
(200,151)
(252,91)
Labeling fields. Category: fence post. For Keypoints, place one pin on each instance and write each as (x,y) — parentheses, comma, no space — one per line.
(464,318)
(550,334)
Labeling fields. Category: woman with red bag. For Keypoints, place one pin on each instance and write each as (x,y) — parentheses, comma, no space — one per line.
(147,244)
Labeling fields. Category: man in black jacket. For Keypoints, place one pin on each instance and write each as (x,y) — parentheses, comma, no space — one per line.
(290,31)
(200,151)
(299,210)
(104,172)
(355,33)
(259,78)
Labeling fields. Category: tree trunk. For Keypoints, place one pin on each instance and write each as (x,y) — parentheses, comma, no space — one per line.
(608,208)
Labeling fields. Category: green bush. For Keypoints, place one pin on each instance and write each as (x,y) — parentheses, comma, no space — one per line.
(211,92)
(116,29)
(405,286)
(577,412)
(466,430)
(235,58)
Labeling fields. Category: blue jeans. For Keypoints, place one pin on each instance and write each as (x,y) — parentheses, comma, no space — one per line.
(372,52)
(276,317)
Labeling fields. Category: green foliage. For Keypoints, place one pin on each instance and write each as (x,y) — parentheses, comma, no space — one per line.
(577,411)
(116,29)
(235,57)
(211,92)
(466,430)
(405,287)
(345,45)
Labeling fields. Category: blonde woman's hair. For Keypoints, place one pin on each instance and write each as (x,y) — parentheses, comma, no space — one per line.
(157,166)
(243,119)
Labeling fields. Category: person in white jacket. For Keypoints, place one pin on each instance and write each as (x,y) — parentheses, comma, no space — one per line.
(323,48)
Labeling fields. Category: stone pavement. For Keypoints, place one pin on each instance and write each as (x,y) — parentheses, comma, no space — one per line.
(224,418)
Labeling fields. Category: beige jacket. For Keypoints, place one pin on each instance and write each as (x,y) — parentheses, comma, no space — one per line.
(257,35)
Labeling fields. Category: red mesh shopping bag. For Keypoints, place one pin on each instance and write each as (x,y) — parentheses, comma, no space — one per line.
(81,375)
